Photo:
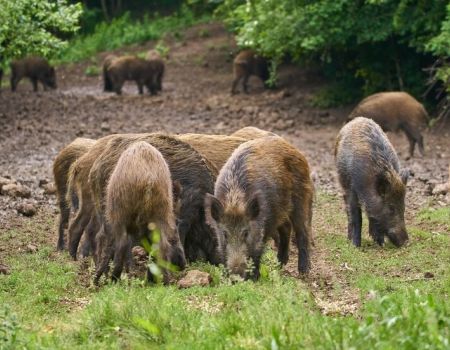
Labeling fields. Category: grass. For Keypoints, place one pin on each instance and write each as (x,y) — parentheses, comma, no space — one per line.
(44,304)
(124,31)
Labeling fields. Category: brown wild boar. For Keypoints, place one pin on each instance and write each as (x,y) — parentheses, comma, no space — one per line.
(216,148)
(107,84)
(126,68)
(139,193)
(263,191)
(158,67)
(37,69)
(251,133)
(195,176)
(395,111)
(246,64)
(369,173)
(63,161)
(1,76)
(78,186)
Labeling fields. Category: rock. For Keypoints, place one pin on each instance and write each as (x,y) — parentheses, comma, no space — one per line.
(5,181)
(49,188)
(26,209)
(16,190)
(441,189)
(43,182)
(31,248)
(428,275)
(4,270)
(105,126)
(195,278)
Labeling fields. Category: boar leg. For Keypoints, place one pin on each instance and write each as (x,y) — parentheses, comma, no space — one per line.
(414,137)
(376,235)
(284,232)
(354,213)
(301,224)
(14,81)
(234,85)
(77,227)
(34,81)
(89,243)
(140,86)
(245,83)
(121,251)
(63,220)
(104,254)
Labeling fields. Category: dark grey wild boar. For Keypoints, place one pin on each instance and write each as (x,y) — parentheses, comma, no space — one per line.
(127,68)
(246,64)
(395,111)
(107,84)
(369,173)
(37,69)
(263,191)
(195,176)
(139,193)
(61,166)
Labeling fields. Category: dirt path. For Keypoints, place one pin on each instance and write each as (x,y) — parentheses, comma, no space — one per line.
(196,98)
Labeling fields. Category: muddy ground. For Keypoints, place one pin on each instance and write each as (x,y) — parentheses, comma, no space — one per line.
(195,98)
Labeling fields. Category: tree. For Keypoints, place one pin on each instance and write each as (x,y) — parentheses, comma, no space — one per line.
(36,27)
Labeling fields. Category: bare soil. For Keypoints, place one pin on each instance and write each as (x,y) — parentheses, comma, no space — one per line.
(195,98)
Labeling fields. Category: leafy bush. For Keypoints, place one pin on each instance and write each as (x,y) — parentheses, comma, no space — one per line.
(36,27)
(125,31)
(367,45)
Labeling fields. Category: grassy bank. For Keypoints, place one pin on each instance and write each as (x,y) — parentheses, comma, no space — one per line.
(125,30)
(401,298)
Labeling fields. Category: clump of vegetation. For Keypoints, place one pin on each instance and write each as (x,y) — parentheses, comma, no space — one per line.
(364,46)
(124,31)
(36,27)
(92,71)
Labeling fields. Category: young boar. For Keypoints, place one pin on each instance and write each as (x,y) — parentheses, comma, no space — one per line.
(107,84)
(216,148)
(36,69)
(263,191)
(78,187)
(395,111)
(251,133)
(246,64)
(126,68)
(139,193)
(63,161)
(188,168)
(369,173)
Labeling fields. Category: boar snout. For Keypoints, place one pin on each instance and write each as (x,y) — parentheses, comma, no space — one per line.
(398,238)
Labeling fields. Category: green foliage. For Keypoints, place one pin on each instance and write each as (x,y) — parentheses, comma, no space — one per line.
(380,45)
(92,71)
(36,27)
(125,31)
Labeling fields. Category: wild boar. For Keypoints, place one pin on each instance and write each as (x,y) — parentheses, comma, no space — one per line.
(107,84)
(1,76)
(158,67)
(63,161)
(37,69)
(263,191)
(246,64)
(139,193)
(133,68)
(216,148)
(370,176)
(78,187)
(195,175)
(251,133)
(395,111)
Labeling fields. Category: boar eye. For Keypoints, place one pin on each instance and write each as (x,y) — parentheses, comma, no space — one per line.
(245,234)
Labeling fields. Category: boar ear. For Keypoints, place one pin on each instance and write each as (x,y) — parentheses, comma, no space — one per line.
(176,190)
(382,183)
(254,206)
(213,209)
(405,174)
